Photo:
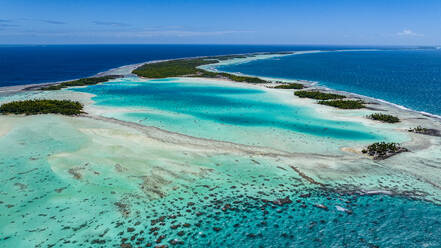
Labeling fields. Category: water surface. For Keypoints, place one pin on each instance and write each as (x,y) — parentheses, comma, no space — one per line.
(225,111)
(411,78)
(31,64)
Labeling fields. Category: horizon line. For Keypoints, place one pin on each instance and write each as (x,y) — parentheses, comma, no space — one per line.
(211,44)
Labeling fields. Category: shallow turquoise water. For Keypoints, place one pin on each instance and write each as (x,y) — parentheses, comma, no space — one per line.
(230,207)
(64,185)
(221,111)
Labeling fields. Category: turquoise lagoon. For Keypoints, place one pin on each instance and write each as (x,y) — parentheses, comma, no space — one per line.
(231,166)
(232,112)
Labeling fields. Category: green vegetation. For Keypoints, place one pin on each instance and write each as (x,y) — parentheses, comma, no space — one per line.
(330,99)
(426,131)
(383,150)
(313,94)
(242,56)
(295,86)
(34,107)
(384,118)
(80,82)
(172,68)
(418,129)
(188,67)
(245,79)
(227,57)
(232,77)
(344,104)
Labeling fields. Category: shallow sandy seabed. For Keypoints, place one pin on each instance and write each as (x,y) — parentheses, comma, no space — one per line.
(113,140)
(91,178)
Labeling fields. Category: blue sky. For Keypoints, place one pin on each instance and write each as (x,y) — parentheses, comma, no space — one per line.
(367,22)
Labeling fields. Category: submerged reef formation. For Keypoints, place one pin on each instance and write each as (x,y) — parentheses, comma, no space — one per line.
(383,150)
(80,82)
(144,187)
(384,118)
(42,106)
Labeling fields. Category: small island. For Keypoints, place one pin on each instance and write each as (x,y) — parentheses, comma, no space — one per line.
(330,99)
(81,82)
(42,106)
(425,131)
(383,150)
(317,95)
(189,68)
(344,104)
(172,68)
(228,57)
(384,118)
(295,86)
(244,79)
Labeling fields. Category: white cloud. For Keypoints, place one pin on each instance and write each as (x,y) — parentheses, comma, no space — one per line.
(408,32)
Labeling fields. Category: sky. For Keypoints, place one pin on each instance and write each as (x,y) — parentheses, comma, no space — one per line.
(313,22)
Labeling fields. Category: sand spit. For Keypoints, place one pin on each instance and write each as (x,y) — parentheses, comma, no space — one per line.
(204,144)
(140,149)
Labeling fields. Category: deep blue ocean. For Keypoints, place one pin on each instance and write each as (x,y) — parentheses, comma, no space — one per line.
(37,64)
(411,78)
